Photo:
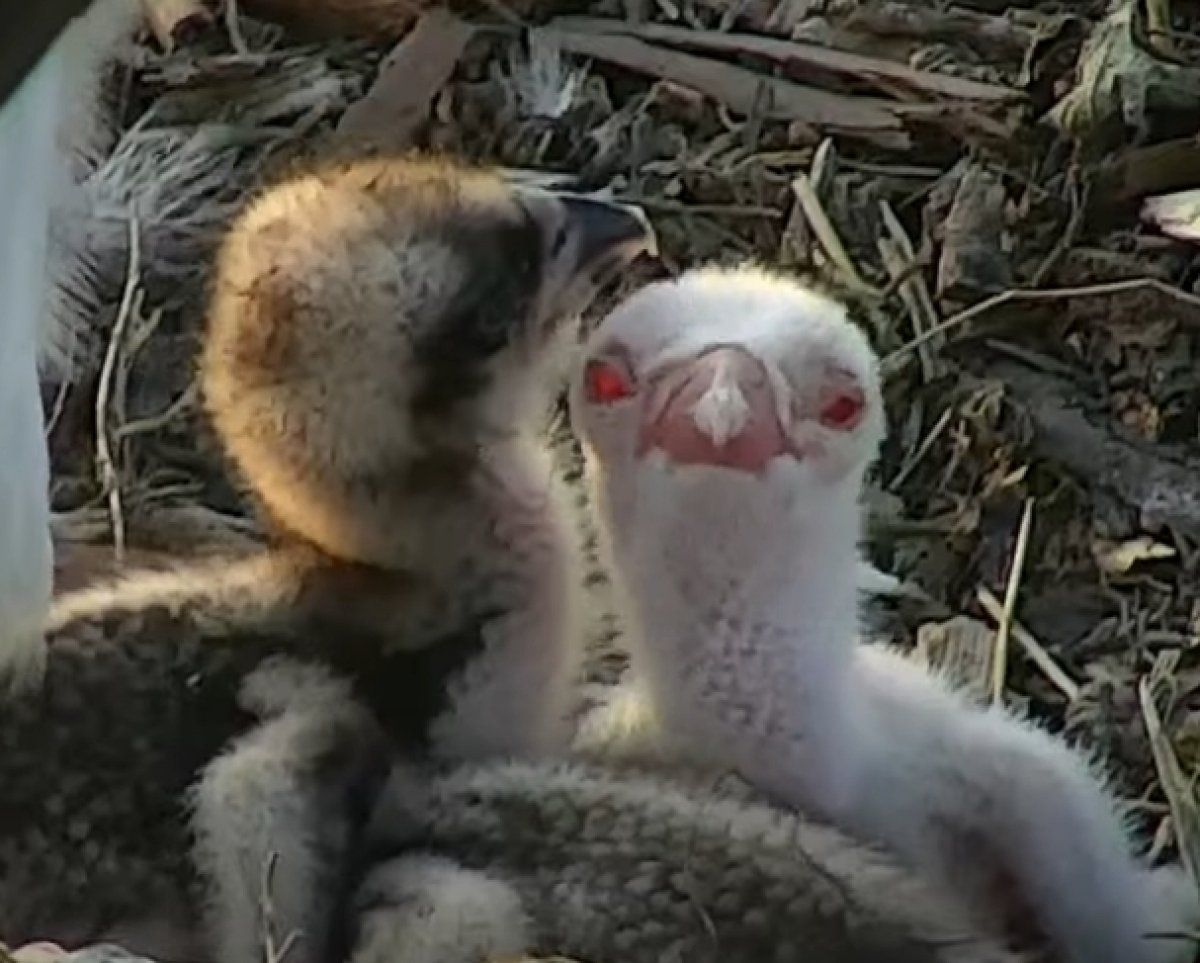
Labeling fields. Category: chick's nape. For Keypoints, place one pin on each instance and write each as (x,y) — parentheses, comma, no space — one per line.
(729,477)
(155,661)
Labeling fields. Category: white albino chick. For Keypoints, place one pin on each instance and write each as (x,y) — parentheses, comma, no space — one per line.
(728,418)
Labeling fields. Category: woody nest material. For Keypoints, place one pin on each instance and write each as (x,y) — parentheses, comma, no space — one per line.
(970,179)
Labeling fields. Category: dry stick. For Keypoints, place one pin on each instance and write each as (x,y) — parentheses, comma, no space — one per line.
(408,83)
(826,233)
(1000,653)
(186,399)
(926,444)
(1158,26)
(233,27)
(845,63)
(1180,794)
(796,238)
(133,342)
(273,953)
(900,258)
(1043,294)
(824,165)
(110,481)
(742,91)
(1033,648)
(57,408)
(1176,785)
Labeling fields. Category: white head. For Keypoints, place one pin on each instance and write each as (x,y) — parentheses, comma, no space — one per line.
(734,392)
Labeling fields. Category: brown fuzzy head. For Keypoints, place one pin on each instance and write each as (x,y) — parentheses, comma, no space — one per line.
(373,326)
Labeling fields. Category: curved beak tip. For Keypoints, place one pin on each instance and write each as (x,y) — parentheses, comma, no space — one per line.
(607,230)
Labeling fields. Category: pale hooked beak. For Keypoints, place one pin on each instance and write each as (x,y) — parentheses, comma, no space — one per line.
(716,409)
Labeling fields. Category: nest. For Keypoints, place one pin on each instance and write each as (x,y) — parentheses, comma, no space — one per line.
(972,181)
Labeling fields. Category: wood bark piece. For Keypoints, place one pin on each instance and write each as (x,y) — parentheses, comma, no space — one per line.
(885,73)
(323,19)
(1002,35)
(410,78)
(995,6)
(377,20)
(973,262)
(1132,173)
(1161,490)
(744,91)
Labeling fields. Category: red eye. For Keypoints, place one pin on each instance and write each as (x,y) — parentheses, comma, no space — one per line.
(606,383)
(844,410)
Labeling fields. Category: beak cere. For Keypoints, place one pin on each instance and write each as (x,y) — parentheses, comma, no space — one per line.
(717,409)
(607,235)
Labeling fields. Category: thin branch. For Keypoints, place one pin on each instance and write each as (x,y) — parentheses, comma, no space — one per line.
(1042,294)
(826,233)
(1000,653)
(106,468)
(1176,786)
(922,450)
(1033,648)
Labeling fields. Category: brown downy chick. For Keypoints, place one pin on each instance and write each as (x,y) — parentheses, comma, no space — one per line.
(380,361)
(385,347)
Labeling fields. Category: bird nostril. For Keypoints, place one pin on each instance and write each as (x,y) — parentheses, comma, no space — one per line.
(721,410)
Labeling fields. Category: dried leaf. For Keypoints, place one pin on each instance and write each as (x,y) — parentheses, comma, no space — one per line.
(1122,84)
(1176,215)
(1117,558)
(961,649)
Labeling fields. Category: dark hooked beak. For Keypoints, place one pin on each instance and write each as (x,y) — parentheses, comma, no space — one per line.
(608,235)
(586,239)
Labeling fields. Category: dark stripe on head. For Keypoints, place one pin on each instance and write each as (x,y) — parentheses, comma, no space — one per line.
(503,259)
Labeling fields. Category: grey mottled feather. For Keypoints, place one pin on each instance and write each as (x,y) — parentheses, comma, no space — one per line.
(482,860)
(141,692)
